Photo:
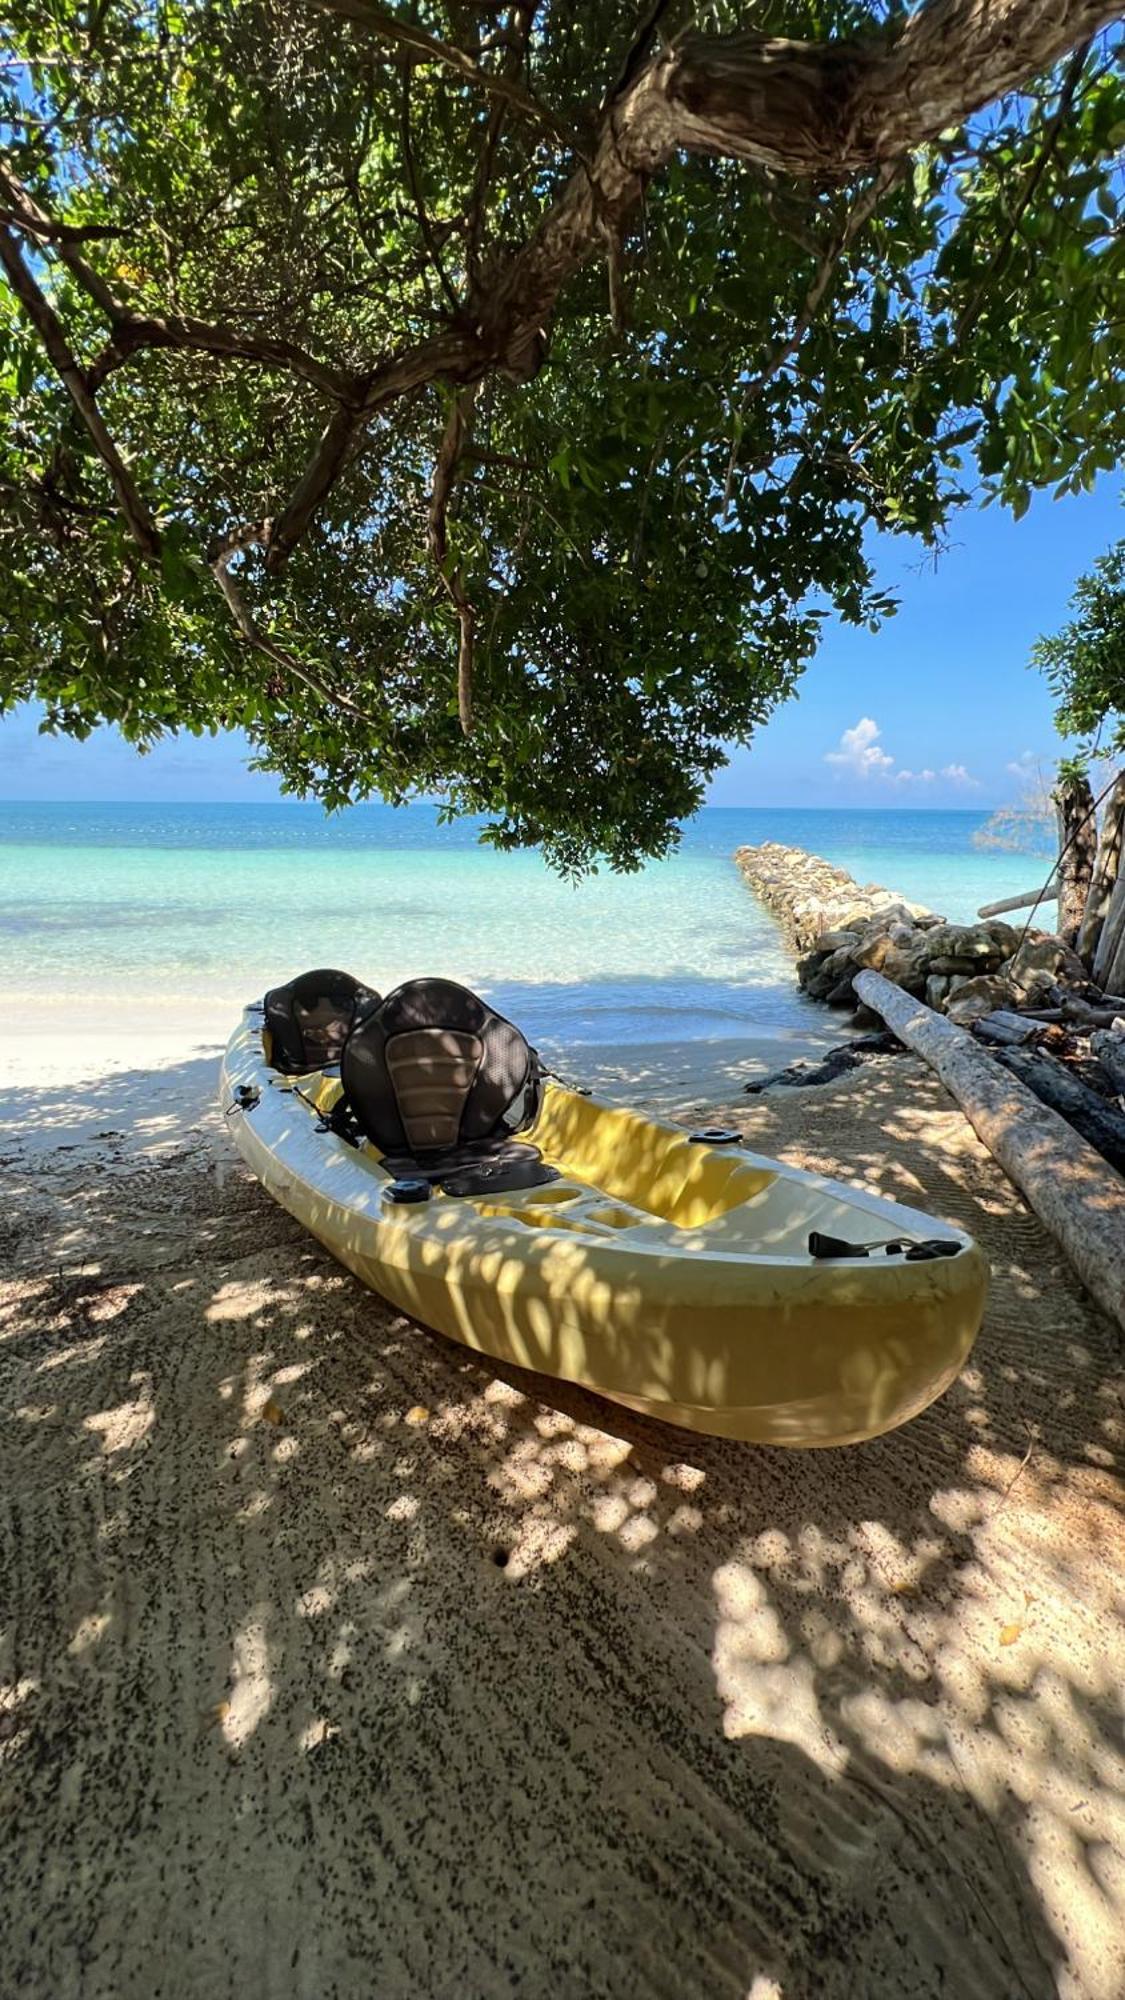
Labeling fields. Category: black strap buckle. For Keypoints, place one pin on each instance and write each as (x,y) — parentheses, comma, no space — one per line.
(247,1097)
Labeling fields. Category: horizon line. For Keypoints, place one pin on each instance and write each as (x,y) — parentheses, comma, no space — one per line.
(286,804)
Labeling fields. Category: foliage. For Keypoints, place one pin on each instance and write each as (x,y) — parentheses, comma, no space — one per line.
(1085,662)
(650,532)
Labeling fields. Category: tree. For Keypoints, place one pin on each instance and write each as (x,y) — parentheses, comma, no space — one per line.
(1085,662)
(493,399)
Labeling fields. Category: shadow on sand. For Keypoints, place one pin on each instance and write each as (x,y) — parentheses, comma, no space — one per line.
(339,1663)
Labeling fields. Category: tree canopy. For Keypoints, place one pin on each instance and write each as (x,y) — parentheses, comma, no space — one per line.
(1085,661)
(492,399)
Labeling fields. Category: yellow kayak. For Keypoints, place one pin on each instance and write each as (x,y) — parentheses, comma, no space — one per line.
(670,1275)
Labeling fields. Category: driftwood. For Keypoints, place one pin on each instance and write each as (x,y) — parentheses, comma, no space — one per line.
(1109,959)
(1006,1029)
(1028,898)
(1072,1190)
(1107,867)
(1091,1116)
(1104,1016)
(1108,1051)
(1078,835)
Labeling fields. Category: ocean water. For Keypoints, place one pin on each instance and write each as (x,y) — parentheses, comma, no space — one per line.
(165,913)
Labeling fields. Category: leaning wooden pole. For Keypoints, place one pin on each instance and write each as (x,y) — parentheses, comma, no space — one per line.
(1109,959)
(1029,898)
(1074,1193)
(1107,868)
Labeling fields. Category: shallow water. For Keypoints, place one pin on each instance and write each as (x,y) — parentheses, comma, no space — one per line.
(170,909)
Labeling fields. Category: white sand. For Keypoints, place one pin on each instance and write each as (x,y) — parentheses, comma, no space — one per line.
(726,1722)
(78,1049)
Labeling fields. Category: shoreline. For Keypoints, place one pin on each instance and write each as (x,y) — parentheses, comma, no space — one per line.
(660,1075)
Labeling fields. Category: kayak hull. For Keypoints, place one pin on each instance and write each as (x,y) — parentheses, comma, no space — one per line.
(674,1318)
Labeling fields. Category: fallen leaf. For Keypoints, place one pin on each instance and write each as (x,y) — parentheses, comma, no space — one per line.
(273,1412)
(418,1415)
(1010,1633)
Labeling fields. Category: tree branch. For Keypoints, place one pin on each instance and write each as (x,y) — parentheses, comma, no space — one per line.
(450,356)
(32,219)
(824,111)
(522,21)
(132,331)
(1039,167)
(59,232)
(264,642)
(445,478)
(416,196)
(135,331)
(430,48)
(815,110)
(861,212)
(138,519)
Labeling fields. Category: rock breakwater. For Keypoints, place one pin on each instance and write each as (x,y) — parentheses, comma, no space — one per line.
(840,927)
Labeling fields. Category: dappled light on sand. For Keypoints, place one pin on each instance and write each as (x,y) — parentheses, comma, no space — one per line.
(420,1677)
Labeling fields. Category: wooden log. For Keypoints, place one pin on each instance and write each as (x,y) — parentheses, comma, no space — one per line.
(1109,1051)
(1074,1193)
(1029,898)
(1107,867)
(1054,1084)
(1006,1029)
(1094,1017)
(1078,835)
(1109,959)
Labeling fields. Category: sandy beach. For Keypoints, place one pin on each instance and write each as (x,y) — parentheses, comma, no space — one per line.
(338,1663)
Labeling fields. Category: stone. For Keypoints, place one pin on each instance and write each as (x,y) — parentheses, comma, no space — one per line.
(837,940)
(904,969)
(872,953)
(972,942)
(936,989)
(978,997)
(1042,961)
(866,1017)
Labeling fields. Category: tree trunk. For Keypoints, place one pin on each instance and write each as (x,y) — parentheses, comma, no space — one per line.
(1074,806)
(1074,1193)
(1106,870)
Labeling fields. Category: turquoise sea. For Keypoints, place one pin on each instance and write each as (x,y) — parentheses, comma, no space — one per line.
(178,912)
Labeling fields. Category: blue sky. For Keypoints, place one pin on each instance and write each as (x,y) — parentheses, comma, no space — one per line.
(937,709)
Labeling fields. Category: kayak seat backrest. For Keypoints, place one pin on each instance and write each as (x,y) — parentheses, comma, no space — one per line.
(431,1072)
(438,1080)
(309,1019)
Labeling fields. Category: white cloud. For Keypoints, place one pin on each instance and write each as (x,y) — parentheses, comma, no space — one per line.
(859,751)
(1025,766)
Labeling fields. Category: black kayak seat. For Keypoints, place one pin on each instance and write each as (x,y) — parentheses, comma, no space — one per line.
(309,1019)
(441,1083)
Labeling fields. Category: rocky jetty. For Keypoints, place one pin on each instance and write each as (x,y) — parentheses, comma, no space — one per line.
(840,927)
